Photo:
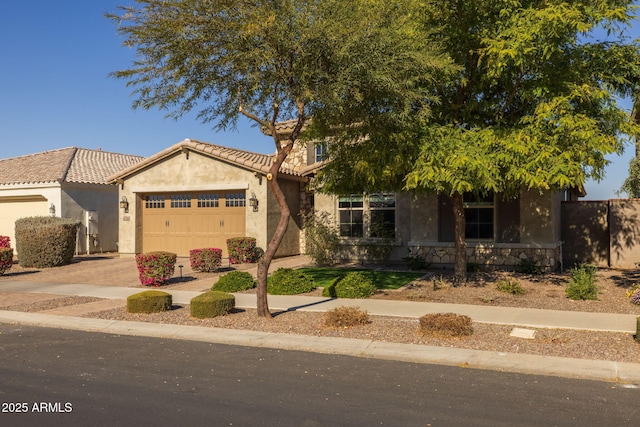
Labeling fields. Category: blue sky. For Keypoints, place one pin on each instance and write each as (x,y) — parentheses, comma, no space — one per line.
(55,91)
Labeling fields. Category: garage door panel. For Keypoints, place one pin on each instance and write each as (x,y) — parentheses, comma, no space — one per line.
(12,209)
(189,221)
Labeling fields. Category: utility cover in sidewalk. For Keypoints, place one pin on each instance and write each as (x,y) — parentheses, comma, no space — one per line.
(523,333)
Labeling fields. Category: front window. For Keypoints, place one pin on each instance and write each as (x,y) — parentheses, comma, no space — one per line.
(478,214)
(351,214)
(382,208)
(235,200)
(321,152)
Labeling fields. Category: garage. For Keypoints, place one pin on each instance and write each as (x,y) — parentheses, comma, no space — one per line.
(14,208)
(181,221)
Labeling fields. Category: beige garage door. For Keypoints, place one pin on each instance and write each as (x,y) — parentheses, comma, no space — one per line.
(179,222)
(14,208)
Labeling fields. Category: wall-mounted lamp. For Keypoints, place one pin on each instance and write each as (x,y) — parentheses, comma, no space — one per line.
(124,204)
(52,210)
(253,202)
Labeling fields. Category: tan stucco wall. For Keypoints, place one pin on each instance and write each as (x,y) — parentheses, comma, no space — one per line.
(77,200)
(540,216)
(290,244)
(196,172)
(424,218)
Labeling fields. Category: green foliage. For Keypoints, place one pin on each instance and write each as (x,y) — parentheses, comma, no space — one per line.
(321,238)
(212,304)
(473,267)
(243,249)
(149,302)
(286,281)
(416,262)
(205,259)
(582,285)
(528,266)
(234,281)
(353,285)
(6,259)
(446,325)
(631,184)
(155,268)
(345,317)
(383,279)
(510,287)
(45,241)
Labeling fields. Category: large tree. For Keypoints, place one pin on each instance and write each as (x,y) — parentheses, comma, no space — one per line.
(533,105)
(275,60)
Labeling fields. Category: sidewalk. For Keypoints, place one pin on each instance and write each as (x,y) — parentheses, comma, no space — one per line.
(66,317)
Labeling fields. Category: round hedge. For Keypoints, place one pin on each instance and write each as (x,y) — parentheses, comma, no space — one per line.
(149,302)
(353,285)
(286,281)
(235,281)
(212,304)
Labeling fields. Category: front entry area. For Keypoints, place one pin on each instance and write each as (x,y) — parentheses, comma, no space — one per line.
(179,222)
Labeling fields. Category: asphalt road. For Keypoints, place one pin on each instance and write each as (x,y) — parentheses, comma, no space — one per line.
(62,377)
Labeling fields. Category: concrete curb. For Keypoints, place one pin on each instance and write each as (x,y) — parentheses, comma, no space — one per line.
(628,373)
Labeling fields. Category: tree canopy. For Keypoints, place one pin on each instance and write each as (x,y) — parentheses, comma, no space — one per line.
(533,103)
(361,61)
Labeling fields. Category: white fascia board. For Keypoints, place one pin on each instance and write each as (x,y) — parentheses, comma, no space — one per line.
(177,189)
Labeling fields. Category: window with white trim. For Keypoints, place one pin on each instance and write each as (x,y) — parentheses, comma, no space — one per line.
(478,215)
(321,151)
(372,215)
(235,200)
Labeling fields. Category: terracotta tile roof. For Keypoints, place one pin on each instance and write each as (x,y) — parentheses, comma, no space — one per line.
(246,159)
(69,164)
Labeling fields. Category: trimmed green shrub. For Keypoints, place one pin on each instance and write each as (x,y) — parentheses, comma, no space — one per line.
(345,317)
(286,281)
(206,259)
(243,249)
(352,285)
(446,325)
(235,281)
(44,241)
(416,262)
(6,259)
(582,285)
(149,302)
(528,266)
(212,304)
(510,287)
(155,268)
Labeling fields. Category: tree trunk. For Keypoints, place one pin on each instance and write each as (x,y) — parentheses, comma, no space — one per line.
(460,271)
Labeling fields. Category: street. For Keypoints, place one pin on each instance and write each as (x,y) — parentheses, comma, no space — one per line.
(63,377)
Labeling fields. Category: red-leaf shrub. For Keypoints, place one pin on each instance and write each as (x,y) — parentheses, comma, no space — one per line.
(155,268)
(206,259)
(5,242)
(243,249)
(6,259)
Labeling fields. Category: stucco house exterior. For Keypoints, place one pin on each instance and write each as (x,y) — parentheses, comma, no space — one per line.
(196,195)
(70,183)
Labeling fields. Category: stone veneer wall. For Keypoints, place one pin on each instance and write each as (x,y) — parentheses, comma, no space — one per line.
(548,257)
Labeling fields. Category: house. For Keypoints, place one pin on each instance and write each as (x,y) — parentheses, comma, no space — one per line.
(196,195)
(68,182)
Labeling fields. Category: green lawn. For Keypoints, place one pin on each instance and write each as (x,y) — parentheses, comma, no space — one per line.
(323,276)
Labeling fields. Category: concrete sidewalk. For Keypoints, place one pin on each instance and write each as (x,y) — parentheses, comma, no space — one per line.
(543,365)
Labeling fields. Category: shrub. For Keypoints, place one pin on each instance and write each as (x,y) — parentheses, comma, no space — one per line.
(634,295)
(416,262)
(212,304)
(6,259)
(149,302)
(235,281)
(243,249)
(473,267)
(45,241)
(286,281)
(528,266)
(206,259)
(582,285)
(5,242)
(446,325)
(510,287)
(345,317)
(321,238)
(155,268)
(353,285)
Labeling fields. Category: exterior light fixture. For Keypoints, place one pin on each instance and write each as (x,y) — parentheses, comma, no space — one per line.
(52,210)
(253,202)
(124,204)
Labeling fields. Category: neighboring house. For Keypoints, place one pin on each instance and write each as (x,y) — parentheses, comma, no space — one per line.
(69,183)
(196,195)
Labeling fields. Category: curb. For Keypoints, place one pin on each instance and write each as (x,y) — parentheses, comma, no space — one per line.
(626,373)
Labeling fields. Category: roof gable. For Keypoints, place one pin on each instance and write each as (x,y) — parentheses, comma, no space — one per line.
(71,164)
(245,159)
